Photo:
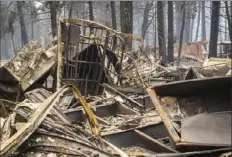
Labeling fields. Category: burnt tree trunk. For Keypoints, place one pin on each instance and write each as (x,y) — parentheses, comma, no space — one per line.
(145,24)
(181,33)
(91,17)
(114,22)
(193,10)
(5,47)
(170,33)
(188,22)
(178,19)
(228,20)
(12,36)
(198,20)
(12,40)
(225,34)
(32,21)
(113,15)
(22,23)
(203,30)
(0,32)
(126,20)
(161,35)
(214,29)
(70,10)
(230,10)
(11,28)
(126,16)
(53,15)
(155,37)
(191,29)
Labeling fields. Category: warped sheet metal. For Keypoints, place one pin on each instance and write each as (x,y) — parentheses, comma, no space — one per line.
(207,129)
(184,99)
(222,152)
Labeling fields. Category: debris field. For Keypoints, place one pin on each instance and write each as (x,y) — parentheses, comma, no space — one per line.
(88,94)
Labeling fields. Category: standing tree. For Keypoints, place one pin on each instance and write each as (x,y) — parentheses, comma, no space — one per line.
(11,19)
(190,15)
(154,30)
(0,31)
(126,16)
(53,14)
(22,23)
(91,17)
(231,10)
(214,29)
(54,8)
(188,21)
(71,4)
(228,20)
(194,10)
(198,20)
(170,33)
(145,23)
(113,15)
(161,34)
(33,11)
(181,32)
(32,19)
(114,21)
(203,30)
(126,19)
(178,19)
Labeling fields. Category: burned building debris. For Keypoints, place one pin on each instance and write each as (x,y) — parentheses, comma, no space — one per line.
(91,54)
(189,108)
(86,94)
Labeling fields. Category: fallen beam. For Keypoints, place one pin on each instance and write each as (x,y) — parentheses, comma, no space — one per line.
(138,105)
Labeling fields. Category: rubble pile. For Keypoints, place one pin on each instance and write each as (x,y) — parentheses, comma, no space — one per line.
(87,94)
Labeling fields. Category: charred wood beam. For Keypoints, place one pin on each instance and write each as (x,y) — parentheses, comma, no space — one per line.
(129,90)
(159,146)
(138,105)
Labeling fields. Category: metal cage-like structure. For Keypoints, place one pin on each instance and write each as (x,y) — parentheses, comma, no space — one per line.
(89,54)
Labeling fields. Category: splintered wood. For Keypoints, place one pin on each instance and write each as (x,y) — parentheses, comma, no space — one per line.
(51,129)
